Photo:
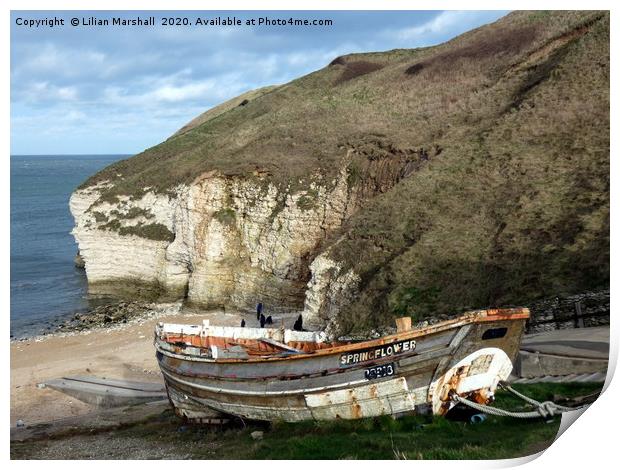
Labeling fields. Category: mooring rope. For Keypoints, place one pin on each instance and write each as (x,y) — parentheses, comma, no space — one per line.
(545,409)
(531,401)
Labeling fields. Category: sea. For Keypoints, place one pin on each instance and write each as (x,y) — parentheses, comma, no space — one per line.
(46,287)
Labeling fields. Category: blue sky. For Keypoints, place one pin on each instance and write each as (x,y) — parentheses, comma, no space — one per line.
(81,90)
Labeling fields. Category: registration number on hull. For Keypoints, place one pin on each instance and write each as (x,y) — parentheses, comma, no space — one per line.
(379,372)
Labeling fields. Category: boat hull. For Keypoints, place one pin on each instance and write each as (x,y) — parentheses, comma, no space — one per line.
(408,373)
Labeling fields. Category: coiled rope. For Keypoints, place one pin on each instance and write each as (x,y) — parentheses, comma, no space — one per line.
(545,409)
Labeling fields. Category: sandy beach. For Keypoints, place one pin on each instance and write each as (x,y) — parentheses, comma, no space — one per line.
(122,351)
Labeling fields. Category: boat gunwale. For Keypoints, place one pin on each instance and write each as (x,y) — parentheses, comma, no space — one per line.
(478,316)
(422,357)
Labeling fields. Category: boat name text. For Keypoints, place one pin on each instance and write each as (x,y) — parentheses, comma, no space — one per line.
(377,353)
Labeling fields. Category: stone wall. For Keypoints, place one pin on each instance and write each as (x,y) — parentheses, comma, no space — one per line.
(574,311)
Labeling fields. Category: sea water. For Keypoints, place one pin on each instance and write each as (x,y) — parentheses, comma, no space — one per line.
(46,286)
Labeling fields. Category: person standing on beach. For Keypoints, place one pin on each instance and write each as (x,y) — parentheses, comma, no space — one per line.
(259,310)
(299,324)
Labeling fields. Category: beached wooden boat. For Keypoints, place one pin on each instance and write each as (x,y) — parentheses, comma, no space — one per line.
(277,374)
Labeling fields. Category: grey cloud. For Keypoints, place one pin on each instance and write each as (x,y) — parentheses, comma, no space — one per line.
(134,87)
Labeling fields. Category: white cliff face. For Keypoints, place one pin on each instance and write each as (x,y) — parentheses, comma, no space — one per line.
(110,257)
(330,288)
(236,242)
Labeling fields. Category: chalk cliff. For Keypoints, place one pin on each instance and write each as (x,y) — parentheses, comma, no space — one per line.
(236,241)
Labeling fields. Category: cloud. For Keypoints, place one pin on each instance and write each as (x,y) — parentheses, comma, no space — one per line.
(66,93)
(41,92)
(85,90)
(158,92)
(53,59)
(188,91)
(445,25)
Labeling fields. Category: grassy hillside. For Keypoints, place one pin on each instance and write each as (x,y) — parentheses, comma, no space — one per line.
(508,130)
(220,109)
(516,206)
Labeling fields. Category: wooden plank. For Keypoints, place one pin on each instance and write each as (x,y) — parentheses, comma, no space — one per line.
(578,315)
(277,344)
(375,399)
(403,324)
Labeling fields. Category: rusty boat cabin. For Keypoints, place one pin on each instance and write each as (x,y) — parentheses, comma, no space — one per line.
(280,374)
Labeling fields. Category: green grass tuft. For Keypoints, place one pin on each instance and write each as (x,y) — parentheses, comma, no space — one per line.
(225,216)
